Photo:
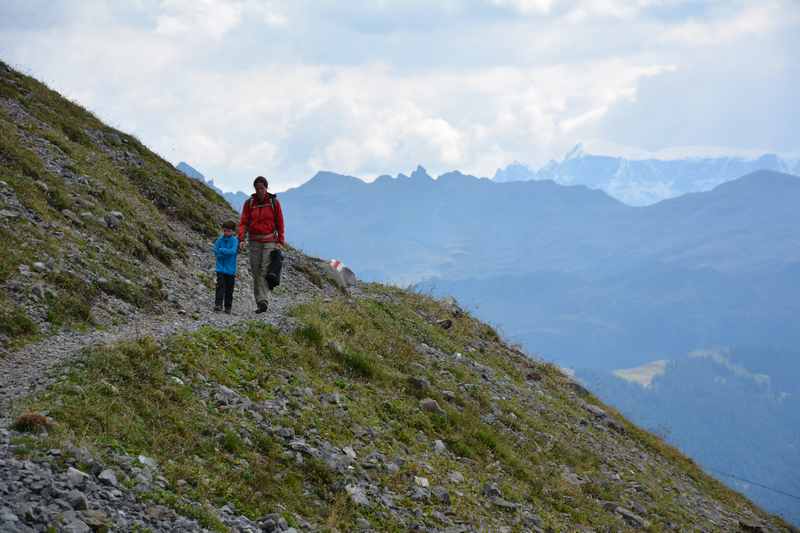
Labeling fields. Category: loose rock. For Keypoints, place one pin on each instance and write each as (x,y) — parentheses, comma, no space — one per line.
(431,405)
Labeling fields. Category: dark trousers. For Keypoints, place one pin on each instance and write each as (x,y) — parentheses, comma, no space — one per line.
(225,283)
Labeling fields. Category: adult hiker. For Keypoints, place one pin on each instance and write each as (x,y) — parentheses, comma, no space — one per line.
(262,221)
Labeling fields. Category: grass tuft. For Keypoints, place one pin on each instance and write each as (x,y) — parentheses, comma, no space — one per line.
(359,364)
(58,199)
(309,334)
(15,323)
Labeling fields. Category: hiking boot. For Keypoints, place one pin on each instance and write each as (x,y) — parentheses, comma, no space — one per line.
(262,307)
(227,310)
(217,308)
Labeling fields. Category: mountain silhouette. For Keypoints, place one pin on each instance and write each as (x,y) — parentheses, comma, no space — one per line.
(644,181)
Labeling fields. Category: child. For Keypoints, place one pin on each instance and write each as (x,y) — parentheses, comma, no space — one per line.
(226,249)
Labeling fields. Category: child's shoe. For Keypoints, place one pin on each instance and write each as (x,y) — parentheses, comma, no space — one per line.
(217,308)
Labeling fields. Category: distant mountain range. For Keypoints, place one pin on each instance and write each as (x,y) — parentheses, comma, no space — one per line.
(644,181)
(413,227)
(235,199)
(636,182)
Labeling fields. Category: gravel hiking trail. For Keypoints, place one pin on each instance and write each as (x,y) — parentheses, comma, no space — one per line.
(37,365)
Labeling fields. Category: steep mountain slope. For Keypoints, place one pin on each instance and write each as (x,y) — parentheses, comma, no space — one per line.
(719,406)
(644,181)
(95,227)
(743,225)
(386,411)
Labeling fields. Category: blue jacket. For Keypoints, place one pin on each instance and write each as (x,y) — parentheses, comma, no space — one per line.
(226,248)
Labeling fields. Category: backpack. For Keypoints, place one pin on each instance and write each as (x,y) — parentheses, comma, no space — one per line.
(271,204)
(273,276)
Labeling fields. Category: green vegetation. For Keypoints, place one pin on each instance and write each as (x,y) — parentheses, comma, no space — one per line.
(73,299)
(65,172)
(171,191)
(17,158)
(163,401)
(14,323)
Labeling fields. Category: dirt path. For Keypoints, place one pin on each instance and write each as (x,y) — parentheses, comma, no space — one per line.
(37,365)
(24,507)
(28,370)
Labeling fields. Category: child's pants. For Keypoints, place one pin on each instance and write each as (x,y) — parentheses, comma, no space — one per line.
(225,283)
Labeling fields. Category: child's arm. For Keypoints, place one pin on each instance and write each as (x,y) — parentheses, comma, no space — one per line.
(231,249)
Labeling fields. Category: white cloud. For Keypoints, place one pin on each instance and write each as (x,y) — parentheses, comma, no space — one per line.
(526,6)
(255,157)
(399,132)
(372,119)
(287,88)
(751,21)
(276,19)
(722,358)
(202,147)
(612,94)
(201,19)
(575,11)
(592,115)
(442,121)
(271,13)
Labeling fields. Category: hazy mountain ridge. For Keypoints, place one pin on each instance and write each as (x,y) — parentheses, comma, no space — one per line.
(637,182)
(235,199)
(541,226)
(645,181)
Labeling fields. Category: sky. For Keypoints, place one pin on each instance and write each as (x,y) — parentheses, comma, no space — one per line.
(239,88)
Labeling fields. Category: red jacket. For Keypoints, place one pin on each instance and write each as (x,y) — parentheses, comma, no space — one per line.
(258,220)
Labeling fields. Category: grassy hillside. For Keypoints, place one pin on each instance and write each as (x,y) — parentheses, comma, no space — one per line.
(369,413)
(93,224)
(374,409)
